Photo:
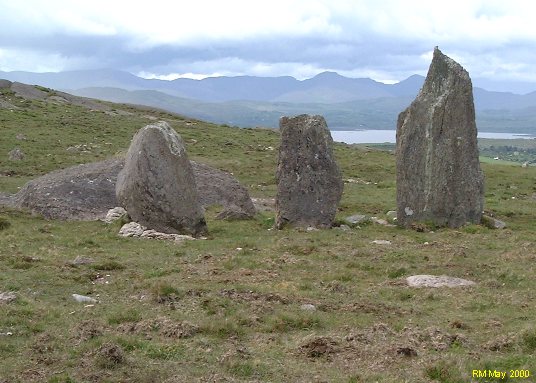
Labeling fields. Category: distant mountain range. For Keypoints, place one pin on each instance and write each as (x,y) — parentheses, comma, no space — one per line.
(351,103)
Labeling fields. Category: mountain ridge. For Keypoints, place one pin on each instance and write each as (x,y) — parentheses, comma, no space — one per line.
(377,113)
(329,87)
(260,101)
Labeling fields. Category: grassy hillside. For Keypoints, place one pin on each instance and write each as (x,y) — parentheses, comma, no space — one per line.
(233,307)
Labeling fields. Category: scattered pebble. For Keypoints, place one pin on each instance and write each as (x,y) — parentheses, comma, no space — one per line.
(80,260)
(381,221)
(381,242)
(391,215)
(356,219)
(16,155)
(7,297)
(115,214)
(492,223)
(83,298)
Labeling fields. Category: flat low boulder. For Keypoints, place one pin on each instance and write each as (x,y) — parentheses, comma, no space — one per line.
(83,192)
(87,192)
(437,281)
(216,187)
(135,230)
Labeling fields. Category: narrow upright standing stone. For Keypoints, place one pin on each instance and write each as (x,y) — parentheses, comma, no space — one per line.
(309,184)
(157,185)
(437,168)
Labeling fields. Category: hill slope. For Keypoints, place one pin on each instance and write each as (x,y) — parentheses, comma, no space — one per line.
(250,303)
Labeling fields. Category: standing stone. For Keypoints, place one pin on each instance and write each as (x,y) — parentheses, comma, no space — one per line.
(437,168)
(157,185)
(309,183)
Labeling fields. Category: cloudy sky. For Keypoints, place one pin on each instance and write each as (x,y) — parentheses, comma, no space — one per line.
(386,40)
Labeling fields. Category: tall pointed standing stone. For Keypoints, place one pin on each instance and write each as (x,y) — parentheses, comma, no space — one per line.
(437,168)
(157,185)
(309,184)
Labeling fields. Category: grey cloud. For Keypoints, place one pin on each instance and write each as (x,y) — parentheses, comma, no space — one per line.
(357,50)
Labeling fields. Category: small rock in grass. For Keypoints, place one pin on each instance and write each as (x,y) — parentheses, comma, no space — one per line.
(308,307)
(80,260)
(7,297)
(16,155)
(83,299)
(381,242)
(134,229)
(356,219)
(380,221)
(115,214)
(492,223)
(131,229)
(437,281)
(391,216)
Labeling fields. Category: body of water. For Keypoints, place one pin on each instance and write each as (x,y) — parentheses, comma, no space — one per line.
(389,136)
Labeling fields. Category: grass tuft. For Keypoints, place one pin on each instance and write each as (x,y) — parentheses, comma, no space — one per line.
(4,223)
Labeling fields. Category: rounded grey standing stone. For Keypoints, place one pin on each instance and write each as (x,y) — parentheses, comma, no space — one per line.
(309,183)
(438,173)
(157,185)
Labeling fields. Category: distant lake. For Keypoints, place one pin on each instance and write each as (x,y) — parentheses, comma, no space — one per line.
(389,136)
